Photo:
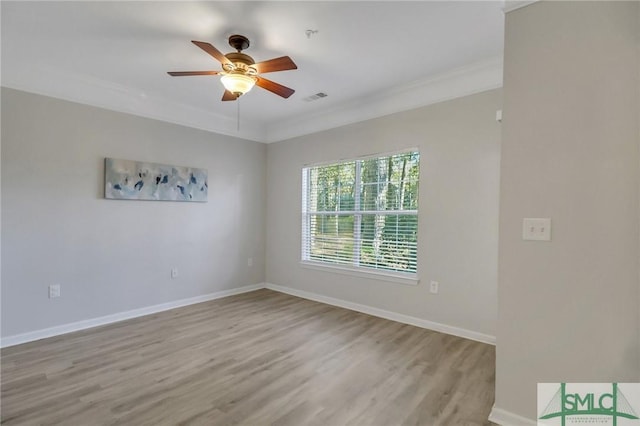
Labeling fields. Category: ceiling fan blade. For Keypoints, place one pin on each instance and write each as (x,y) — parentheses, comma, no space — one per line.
(228,96)
(207,47)
(184,73)
(274,87)
(277,64)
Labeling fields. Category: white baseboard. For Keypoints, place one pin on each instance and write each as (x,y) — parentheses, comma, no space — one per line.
(121,316)
(511,5)
(394,316)
(507,418)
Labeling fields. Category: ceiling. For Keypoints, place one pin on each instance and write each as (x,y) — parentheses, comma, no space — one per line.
(370,58)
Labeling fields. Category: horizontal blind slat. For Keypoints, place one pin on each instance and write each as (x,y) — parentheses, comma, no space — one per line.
(378,205)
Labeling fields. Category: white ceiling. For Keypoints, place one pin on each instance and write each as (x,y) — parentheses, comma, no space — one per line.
(371,58)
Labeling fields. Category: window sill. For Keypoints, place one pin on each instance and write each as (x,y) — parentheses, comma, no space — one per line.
(361,272)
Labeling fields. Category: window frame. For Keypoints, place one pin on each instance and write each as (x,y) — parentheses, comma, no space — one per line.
(354,269)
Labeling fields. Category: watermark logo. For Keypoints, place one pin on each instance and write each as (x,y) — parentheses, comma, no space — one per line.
(562,404)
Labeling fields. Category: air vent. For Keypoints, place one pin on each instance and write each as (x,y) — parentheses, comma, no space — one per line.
(315,97)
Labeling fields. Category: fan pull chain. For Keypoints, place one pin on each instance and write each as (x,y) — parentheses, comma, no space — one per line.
(238,115)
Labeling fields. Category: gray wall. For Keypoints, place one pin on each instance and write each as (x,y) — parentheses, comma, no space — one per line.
(568,309)
(459,142)
(110,255)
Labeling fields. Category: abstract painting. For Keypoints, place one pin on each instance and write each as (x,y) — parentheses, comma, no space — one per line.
(137,180)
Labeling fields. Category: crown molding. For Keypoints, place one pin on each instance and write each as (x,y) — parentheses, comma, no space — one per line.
(511,5)
(475,78)
(103,94)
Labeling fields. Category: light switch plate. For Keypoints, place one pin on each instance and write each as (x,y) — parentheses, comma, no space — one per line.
(536,228)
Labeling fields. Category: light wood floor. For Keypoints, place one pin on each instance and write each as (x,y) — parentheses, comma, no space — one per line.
(261,358)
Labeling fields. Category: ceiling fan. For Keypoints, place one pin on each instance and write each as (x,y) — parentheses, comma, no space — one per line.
(240,72)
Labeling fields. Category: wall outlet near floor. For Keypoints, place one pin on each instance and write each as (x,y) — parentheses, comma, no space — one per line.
(54,291)
(174,273)
(250,262)
(536,229)
(434,287)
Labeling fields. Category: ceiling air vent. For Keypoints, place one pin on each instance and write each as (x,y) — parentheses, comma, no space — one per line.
(315,97)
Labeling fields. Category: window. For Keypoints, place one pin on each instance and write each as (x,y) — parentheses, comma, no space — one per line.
(362,214)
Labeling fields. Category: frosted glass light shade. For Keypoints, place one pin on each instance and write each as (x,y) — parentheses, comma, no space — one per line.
(237,83)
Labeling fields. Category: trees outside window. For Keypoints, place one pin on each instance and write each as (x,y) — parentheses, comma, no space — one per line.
(363,213)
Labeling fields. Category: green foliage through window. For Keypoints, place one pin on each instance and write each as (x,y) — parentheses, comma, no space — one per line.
(363,213)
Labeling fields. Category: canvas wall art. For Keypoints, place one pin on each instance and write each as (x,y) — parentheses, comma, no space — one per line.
(136,180)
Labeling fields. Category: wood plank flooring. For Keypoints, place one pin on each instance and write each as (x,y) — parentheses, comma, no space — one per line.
(260,358)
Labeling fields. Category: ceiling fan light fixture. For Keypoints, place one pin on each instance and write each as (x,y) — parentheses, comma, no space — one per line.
(238,84)
(240,72)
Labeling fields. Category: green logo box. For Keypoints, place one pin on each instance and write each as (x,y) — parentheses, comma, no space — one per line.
(562,404)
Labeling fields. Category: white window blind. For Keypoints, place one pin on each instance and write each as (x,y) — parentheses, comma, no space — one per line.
(362,214)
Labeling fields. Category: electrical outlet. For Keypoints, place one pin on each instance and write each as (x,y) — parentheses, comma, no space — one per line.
(54,291)
(174,273)
(536,228)
(434,287)
(250,262)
